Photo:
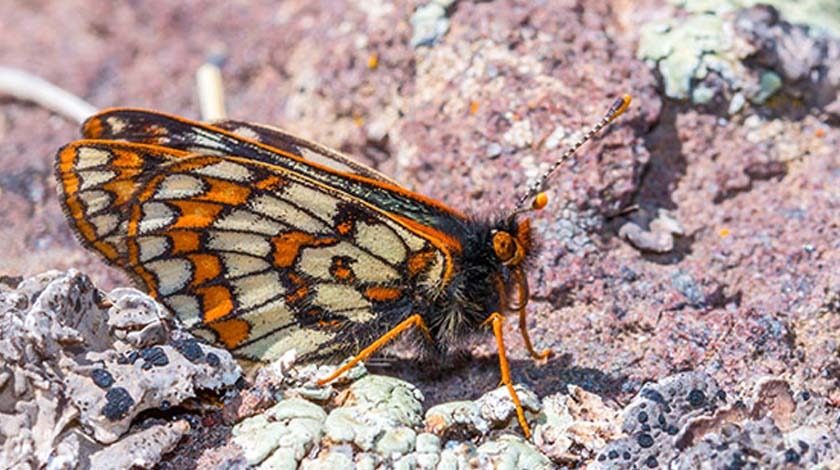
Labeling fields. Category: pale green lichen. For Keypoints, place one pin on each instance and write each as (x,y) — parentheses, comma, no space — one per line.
(686,50)
(282,434)
(823,15)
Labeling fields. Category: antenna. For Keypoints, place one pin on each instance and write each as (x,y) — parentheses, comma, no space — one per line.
(618,107)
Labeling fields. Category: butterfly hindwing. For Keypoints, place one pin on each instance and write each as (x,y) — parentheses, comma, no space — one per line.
(96,180)
(258,257)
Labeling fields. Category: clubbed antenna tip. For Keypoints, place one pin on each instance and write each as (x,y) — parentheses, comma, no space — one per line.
(617,109)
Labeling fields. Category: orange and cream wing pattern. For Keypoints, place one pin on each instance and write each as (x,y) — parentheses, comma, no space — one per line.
(249,254)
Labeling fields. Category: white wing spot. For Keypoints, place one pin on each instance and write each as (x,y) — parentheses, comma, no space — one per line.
(287,213)
(95,200)
(156,215)
(152,247)
(226,170)
(179,186)
(186,307)
(246,243)
(255,290)
(173,274)
(89,157)
(247,221)
(93,178)
(381,240)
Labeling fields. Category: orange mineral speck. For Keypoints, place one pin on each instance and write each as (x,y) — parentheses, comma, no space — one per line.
(474,107)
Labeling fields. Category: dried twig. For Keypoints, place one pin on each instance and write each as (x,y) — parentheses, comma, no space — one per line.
(24,86)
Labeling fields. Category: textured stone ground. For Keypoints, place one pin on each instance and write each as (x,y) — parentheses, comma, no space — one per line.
(750,288)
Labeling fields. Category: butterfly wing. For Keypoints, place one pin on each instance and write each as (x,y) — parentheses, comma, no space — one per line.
(289,152)
(252,255)
(97,180)
(311,151)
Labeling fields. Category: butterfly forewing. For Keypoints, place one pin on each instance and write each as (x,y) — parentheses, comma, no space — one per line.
(290,153)
(311,151)
(253,255)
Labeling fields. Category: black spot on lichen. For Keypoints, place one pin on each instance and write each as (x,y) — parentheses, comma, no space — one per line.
(651,462)
(119,402)
(653,396)
(791,456)
(155,356)
(696,398)
(102,378)
(213,360)
(642,417)
(645,440)
(190,349)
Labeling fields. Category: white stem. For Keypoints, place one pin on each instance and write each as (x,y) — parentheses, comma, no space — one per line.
(28,87)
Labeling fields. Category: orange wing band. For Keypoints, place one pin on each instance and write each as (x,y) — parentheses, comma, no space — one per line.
(414,320)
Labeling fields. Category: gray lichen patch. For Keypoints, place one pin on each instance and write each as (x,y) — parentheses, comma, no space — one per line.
(78,363)
(575,425)
(492,410)
(686,421)
(141,449)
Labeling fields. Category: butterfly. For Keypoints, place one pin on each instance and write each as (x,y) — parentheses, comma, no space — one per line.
(264,242)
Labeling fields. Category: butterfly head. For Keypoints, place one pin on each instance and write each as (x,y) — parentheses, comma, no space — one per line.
(512,243)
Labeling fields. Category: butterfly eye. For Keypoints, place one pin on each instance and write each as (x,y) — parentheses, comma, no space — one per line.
(505,247)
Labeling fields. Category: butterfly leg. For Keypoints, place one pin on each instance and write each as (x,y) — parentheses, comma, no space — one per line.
(522,285)
(496,320)
(415,320)
(523,327)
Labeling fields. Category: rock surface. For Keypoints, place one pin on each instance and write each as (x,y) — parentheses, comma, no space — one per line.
(729,268)
(78,367)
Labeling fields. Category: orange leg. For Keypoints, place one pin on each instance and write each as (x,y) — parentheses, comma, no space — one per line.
(496,320)
(523,318)
(414,320)
(523,327)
